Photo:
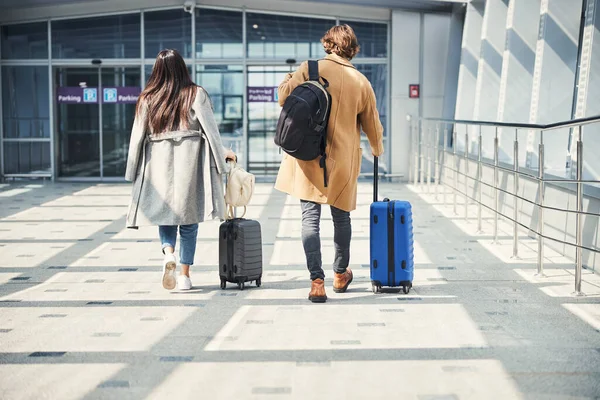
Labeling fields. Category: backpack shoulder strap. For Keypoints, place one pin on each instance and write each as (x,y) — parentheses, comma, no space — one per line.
(313,70)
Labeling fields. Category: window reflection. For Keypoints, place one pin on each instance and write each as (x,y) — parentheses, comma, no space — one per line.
(25,105)
(377,75)
(25,41)
(219,34)
(225,86)
(101,37)
(171,29)
(277,36)
(372,38)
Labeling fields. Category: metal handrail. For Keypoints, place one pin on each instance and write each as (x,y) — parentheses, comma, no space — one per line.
(423,145)
(541,127)
(533,203)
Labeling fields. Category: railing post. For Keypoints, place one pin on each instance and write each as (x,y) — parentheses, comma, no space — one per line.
(436,149)
(421,157)
(416,154)
(496,193)
(412,148)
(429,160)
(454,168)
(515,254)
(443,173)
(540,268)
(579,225)
(479,182)
(467,175)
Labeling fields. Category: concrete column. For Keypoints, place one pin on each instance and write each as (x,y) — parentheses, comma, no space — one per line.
(469,61)
(553,79)
(493,41)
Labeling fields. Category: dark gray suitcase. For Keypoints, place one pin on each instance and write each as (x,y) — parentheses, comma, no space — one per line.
(240,252)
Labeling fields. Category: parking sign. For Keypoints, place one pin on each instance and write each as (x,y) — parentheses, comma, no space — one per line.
(110,95)
(90,95)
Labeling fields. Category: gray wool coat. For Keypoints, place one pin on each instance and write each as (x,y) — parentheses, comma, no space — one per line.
(177,176)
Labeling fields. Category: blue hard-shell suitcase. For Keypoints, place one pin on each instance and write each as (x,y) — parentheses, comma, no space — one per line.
(392,253)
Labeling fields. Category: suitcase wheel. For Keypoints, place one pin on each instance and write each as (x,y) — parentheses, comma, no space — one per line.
(258,282)
(376,288)
(241,285)
(223,284)
(406,289)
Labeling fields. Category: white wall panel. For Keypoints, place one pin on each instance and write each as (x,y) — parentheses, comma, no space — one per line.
(406,36)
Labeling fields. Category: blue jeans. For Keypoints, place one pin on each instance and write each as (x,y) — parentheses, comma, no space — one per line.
(311,239)
(188,233)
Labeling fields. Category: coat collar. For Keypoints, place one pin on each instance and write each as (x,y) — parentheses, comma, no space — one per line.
(340,60)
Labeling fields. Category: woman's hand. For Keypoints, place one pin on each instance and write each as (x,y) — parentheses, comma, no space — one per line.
(230,155)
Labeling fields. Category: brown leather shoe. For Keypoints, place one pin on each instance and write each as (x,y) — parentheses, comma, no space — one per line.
(342,281)
(317,291)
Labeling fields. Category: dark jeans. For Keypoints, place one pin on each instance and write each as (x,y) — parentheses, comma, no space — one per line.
(311,239)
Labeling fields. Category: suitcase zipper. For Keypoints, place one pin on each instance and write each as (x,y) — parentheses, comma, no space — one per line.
(230,271)
(391,260)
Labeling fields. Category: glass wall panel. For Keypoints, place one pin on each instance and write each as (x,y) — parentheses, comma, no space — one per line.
(171,29)
(77,122)
(264,156)
(372,38)
(225,85)
(116,36)
(276,36)
(117,119)
(377,75)
(27,158)
(219,34)
(25,41)
(148,71)
(25,102)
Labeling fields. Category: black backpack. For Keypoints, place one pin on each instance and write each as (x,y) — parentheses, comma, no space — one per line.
(302,126)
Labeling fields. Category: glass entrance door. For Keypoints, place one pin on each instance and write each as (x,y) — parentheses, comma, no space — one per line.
(95,108)
(121,88)
(263,113)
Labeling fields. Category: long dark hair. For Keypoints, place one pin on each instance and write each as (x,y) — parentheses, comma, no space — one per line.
(169,93)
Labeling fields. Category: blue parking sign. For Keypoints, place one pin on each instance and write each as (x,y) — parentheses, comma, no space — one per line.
(110,95)
(90,95)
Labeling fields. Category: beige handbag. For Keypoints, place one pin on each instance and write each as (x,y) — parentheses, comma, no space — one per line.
(240,187)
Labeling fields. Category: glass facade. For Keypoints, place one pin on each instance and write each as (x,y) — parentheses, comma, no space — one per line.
(219,34)
(25,102)
(27,41)
(277,36)
(62,115)
(372,38)
(27,158)
(225,84)
(102,37)
(171,29)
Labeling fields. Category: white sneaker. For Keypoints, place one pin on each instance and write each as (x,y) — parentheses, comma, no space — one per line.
(184,282)
(169,267)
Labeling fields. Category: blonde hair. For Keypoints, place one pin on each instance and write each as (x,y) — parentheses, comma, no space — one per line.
(341,40)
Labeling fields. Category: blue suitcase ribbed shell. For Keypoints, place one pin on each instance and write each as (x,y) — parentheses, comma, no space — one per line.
(400,233)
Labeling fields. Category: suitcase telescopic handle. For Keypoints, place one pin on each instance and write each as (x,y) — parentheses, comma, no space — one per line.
(375,178)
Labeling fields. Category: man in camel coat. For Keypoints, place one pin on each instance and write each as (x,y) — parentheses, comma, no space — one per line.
(353,106)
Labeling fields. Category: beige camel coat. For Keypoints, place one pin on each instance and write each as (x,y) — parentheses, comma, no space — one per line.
(353,105)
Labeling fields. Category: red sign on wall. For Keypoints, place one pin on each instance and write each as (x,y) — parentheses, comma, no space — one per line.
(413,91)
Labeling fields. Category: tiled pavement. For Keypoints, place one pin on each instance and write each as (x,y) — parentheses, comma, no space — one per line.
(83,314)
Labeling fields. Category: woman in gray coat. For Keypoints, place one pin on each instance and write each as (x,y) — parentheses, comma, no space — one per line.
(176,159)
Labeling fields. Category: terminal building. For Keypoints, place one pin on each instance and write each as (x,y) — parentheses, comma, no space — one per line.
(71,71)
(452,79)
